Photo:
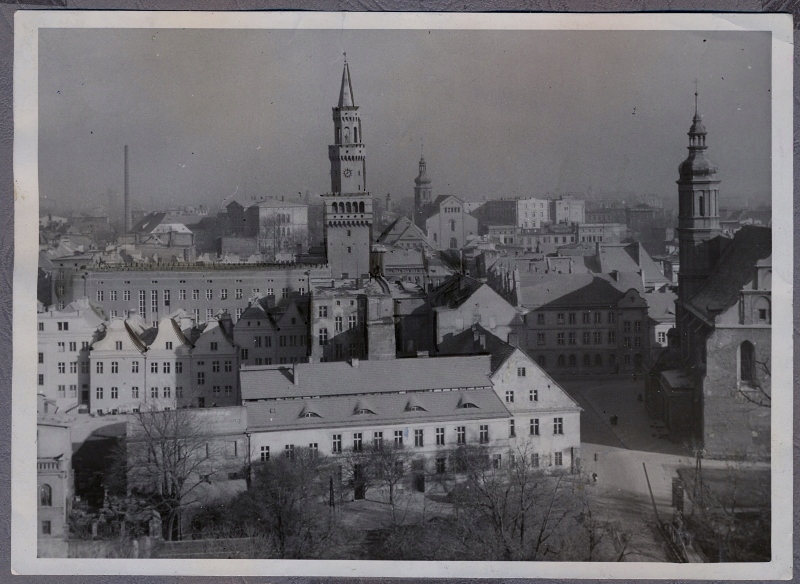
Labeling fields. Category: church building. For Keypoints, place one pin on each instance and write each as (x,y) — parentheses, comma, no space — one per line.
(714,392)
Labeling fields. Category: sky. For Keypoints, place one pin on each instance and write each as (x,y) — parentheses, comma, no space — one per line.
(212,113)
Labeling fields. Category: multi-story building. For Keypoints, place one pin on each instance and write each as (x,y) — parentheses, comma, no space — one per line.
(532,213)
(280,227)
(567,209)
(352,319)
(497,212)
(462,301)
(348,207)
(270,334)
(717,390)
(64,338)
(54,485)
(448,226)
(586,324)
(402,233)
(601,232)
(202,290)
(213,366)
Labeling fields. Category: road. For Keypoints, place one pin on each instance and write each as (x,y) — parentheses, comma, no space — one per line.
(616,454)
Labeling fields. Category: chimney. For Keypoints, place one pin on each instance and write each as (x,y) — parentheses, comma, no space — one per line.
(295,375)
(126,194)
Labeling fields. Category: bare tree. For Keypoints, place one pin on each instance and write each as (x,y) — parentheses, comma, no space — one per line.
(167,458)
(759,390)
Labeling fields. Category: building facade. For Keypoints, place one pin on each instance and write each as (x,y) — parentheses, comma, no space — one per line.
(532,213)
(270,334)
(449,226)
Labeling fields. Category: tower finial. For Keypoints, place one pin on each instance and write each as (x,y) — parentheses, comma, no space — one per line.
(696,83)
(345,56)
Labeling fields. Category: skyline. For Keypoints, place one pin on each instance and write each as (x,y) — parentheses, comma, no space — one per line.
(201,125)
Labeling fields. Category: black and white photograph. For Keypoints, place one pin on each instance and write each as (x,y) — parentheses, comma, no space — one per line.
(431,288)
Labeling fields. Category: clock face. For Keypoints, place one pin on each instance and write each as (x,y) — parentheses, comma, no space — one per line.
(347,172)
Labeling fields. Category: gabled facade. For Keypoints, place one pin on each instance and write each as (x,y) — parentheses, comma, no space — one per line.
(213,379)
(449,226)
(267,334)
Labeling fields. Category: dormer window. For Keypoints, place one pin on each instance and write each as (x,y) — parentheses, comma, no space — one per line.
(360,411)
(311,415)
(416,409)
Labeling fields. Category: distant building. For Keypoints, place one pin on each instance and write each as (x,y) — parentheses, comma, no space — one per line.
(278,226)
(601,232)
(449,226)
(496,213)
(402,233)
(270,334)
(566,209)
(532,213)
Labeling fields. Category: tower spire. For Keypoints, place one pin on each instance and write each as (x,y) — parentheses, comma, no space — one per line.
(346,92)
(696,83)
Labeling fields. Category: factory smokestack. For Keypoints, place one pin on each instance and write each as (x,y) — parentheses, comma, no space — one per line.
(128,225)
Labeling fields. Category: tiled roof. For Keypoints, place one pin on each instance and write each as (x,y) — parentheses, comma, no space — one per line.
(387,409)
(455,291)
(342,378)
(468,343)
(735,268)
(623,258)
(575,290)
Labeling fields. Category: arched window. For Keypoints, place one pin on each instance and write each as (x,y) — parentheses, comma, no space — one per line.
(349,207)
(347,135)
(587,360)
(701,205)
(361,207)
(338,135)
(560,361)
(452,225)
(355,135)
(453,243)
(46,496)
(573,361)
(747,363)
(761,311)
(598,359)
(336,207)
(435,237)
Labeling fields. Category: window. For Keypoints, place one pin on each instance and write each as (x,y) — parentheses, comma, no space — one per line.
(357,442)
(134,392)
(62,391)
(62,347)
(585,317)
(560,339)
(114,393)
(215,366)
(439,436)
(534,426)
(535,460)
(540,339)
(201,378)
(520,372)
(533,395)
(85,367)
(637,326)
(40,327)
(62,367)
(560,362)
(440,466)
(323,336)
(572,318)
(337,324)
(245,354)
(560,318)
(484,434)
(747,363)
(512,431)
(558,425)
(100,295)
(587,337)
(419,438)
(509,396)
(496,461)
(612,337)
(598,337)
(63,326)
(99,367)
(209,313)
(637,342)
(323,312)
(573,338)
(282,340)
(558,459)
(154,392)
(662,337)
(337,443)
(540,319)
(46,528)
(377,439)
(73,390)
(238,313)
(41,358)
(461,435)
(216,390)
(626,342)
(98,393)
(126,295)
(209,294)
(612,318)
(223,294)
(195,294)
(228,390)
(73,346)
(288,451)
(598,318)
(398,438)
(352,321)
(626,326)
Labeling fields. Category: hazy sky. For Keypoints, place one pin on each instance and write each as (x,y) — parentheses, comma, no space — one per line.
(207,113)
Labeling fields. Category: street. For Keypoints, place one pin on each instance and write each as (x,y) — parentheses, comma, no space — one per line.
(617,453)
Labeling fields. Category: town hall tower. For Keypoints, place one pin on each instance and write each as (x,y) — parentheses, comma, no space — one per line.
(348,207)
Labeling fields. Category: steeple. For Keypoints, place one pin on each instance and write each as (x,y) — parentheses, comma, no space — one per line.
(346,92)
(422,194)
(422,178)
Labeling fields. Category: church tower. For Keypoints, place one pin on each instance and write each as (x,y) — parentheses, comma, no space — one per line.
(348,207)
(422,194)
(698,212)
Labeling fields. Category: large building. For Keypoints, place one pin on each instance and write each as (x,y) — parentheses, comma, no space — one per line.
(268,333)
(715,391)
(449,226)
(348,207)
(55,484)
(280,227)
